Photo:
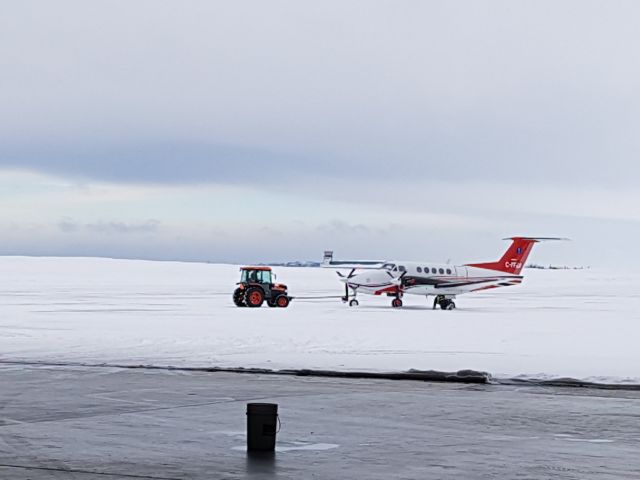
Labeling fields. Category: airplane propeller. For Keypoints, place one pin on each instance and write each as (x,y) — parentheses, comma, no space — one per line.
(346,284)
(397,280)
(351,274)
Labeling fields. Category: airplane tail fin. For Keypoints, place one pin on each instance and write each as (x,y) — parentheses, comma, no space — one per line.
(514,258)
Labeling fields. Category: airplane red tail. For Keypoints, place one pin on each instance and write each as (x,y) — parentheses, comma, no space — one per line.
(514,259)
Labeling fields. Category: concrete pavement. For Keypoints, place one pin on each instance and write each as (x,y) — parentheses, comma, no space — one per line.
(97,423)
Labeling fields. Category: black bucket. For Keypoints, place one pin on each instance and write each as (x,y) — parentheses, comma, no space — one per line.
(262,421)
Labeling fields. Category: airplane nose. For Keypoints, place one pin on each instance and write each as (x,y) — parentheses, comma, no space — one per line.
(351,281)
(360,279)
(366,278)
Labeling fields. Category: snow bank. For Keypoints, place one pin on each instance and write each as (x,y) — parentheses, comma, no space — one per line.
(583,324)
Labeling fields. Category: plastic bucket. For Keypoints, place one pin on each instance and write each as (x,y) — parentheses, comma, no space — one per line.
(262,420)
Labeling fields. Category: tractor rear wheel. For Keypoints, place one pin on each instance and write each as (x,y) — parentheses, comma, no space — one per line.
(254,297)
(238,297)
(282,301)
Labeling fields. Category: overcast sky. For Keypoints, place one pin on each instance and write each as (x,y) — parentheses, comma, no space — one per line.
(253,131)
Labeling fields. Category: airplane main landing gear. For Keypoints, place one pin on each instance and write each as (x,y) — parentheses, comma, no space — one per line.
(448,305)
(444,302)
(396,303)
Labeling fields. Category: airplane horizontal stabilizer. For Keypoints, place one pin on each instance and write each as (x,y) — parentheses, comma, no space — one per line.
(329,262)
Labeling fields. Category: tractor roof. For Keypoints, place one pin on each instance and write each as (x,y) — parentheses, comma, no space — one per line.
(256,268)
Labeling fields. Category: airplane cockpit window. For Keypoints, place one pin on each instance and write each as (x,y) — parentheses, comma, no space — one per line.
(388,266)
(402,268)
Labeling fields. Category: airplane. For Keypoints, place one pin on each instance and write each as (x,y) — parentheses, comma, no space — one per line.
(443,281)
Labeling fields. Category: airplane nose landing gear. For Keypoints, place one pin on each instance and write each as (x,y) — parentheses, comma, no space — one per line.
(352,302)
(396,303)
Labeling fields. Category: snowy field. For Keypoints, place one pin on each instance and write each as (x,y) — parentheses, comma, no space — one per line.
(583,324)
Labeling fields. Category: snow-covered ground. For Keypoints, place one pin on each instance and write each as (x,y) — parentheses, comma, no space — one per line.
(582,324)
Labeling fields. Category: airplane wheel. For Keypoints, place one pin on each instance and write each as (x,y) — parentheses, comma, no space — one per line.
(353,303)
(450,306)
(396,303)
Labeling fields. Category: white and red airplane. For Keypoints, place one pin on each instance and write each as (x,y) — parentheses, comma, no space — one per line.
(443,281)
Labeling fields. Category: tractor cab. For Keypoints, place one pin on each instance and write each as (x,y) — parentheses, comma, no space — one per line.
(257,286)
(262,275)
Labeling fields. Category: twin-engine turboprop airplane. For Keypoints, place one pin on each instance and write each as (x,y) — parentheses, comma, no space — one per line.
(444,282)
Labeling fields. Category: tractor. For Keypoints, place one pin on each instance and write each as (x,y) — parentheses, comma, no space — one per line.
(256,286)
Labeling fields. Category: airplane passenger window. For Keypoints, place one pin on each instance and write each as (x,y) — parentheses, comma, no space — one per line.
(433,270)
(419,269)
(441,271)
(448,271)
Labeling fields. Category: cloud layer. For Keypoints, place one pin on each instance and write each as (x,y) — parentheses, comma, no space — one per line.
(542,92)
(165,130)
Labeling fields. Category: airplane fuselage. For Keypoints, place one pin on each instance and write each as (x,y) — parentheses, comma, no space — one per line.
(427,278)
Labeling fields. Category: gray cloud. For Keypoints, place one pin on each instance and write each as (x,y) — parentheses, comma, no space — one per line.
(285,91)
(112,227)
(342,228)
(160,162)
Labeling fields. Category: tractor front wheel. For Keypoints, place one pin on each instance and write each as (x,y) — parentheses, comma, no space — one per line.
(254,297)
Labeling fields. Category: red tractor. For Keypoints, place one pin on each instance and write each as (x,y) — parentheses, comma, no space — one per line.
(256,285)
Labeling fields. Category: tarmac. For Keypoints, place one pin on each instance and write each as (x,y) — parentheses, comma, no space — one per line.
(102,423)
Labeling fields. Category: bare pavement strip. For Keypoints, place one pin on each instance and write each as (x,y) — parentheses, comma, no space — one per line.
(83,423)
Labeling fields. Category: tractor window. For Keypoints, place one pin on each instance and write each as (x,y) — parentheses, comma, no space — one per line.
(256,276)
(264,276)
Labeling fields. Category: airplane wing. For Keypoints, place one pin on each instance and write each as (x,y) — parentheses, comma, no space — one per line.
(467,285)
(329,262)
